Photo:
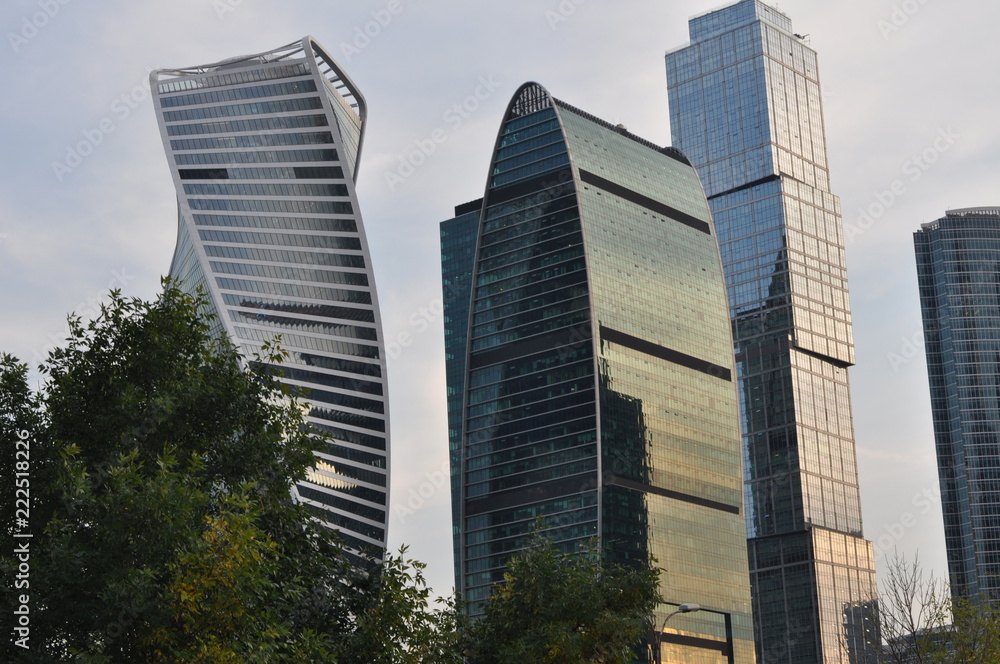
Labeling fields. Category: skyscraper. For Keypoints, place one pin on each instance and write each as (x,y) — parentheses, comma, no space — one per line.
(264,151)
(958,266)
(458,255)
(745,106)
(596,368)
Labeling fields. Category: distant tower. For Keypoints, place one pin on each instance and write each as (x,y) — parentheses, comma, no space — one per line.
(591,380)
(958,266)
(264,151)
(745,107)
(459,237)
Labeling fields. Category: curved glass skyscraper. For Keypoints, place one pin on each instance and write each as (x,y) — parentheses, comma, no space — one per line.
(597,370)
(264,154)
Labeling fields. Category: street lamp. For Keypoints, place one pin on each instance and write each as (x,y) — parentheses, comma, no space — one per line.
(687,607)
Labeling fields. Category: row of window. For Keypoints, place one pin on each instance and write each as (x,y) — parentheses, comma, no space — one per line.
(290,273)
(254,75)
(486,275)
(546,116)
(237,110)
(295,290)
(265,189)
(314,343)
(577,321)
(513,161)
(523,458)
(294,206)
(532,281)
(270,123)
(349,419)
(353,437)
(527,416)
(546,205)
(284,256)
(252,141)
(511,234)
(537,168)
(239,94)
(530,139)
(335,501)
(537,365)
(355,403)
(578,295)
(276,173)
(282,240)
(517,384)
(521,398)
(352,383)
(351,525)
(258,157)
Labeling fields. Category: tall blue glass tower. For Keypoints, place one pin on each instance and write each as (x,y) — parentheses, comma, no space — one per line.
(459,237)
(958,266)
(745,106)
(591,379)
(264,152)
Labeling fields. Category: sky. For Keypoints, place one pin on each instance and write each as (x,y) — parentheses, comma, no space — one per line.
(87,204)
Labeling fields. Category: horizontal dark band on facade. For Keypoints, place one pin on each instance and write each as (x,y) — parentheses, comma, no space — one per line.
(533,493)
(645,201)
(614,480)
(471,206)
(675,153)
(697,642)
(565,337)
(748,185)
(837,362)
(534,185)
(664,353)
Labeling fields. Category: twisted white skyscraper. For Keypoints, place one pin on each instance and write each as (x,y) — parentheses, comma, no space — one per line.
(264,152)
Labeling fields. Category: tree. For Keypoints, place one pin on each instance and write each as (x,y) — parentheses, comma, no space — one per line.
(159,465)
(395,623)
(565,608)
(923,624)
(161,524)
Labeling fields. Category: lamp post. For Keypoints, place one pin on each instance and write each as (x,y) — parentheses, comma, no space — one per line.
(687,607)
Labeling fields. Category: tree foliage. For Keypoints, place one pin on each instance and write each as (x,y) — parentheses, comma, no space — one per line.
(162,527)
(162,530)
(565,608)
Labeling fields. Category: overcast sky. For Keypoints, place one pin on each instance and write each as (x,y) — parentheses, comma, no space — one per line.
(86,201)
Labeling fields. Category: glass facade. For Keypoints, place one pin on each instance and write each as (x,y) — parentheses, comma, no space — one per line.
(958,267)
(458,255)
(745,106)
(591,381)
(275,239)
